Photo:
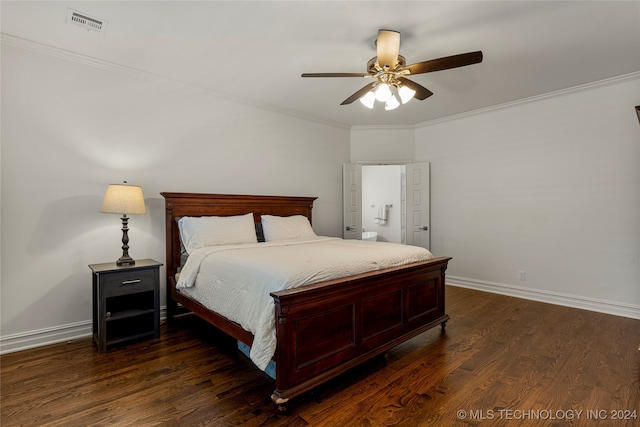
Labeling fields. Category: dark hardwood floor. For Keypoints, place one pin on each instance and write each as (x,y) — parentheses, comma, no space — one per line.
(501,362)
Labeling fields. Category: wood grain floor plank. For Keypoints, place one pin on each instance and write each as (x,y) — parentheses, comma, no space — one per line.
(498,355)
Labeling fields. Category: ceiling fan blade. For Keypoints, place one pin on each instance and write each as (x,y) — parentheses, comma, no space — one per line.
(359,94)
(422,92)
(445,63)
(335,75)
(388,48)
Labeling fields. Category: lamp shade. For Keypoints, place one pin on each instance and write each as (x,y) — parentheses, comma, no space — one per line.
(124,199)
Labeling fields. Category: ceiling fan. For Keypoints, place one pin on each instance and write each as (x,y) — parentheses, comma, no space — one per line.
(389,71)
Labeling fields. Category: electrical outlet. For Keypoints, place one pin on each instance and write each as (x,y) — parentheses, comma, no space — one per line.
(522,276)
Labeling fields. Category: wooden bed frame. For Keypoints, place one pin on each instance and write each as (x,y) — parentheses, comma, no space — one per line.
(326,328)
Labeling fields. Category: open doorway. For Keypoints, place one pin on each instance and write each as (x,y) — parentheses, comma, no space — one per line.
(389,200)
(384,202)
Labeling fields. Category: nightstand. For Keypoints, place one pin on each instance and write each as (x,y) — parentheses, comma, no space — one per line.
(126,302)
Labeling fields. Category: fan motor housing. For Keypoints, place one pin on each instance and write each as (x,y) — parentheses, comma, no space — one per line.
(373,67)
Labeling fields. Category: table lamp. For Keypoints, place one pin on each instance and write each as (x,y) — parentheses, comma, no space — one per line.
(124,199)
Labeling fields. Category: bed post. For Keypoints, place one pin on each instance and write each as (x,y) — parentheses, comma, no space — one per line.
(172,305)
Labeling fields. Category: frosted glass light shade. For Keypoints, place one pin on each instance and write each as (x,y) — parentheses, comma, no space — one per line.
(368,100)
(392,103)
(383,93)
(406,94)
(124,199)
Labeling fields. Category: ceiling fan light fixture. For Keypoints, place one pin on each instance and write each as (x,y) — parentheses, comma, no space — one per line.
(389,68)
(406,94)
(368,100)
(383,93)
(392,103)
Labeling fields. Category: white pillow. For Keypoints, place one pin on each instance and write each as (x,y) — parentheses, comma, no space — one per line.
(286,227)
(199,232)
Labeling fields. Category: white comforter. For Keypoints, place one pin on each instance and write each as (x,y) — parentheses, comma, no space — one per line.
(235,281)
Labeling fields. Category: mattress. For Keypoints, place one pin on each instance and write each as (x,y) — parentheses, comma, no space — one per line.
(236,281)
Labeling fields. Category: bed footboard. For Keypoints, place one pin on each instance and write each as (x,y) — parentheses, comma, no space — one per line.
(323,330)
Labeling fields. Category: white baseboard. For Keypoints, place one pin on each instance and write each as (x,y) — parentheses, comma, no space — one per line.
(593,304)
(40,337)
(74,331)
(57,334)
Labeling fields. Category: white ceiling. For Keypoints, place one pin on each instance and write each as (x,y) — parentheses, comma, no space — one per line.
(255,51)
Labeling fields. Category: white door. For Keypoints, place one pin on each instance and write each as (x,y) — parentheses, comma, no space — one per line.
(418,225)
(352,201)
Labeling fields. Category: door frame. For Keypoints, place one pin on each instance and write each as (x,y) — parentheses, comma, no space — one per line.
(401,162)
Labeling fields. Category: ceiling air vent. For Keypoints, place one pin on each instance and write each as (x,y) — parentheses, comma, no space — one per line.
(85,21)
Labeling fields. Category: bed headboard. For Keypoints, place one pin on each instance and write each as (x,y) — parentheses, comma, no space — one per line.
(196,204)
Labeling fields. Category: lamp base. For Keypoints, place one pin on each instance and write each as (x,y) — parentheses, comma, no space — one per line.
(125,260)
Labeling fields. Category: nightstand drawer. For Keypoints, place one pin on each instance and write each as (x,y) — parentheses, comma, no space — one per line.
(128,282)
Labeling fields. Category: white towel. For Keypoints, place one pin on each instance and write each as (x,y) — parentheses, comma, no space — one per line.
(381,218)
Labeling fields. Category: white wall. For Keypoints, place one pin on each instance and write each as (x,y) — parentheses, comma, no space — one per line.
(550,187)
(381,184)
(382,144)
(71,126)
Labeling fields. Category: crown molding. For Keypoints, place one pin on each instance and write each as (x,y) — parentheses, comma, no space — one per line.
(574,89)
(383,127)
(18,42)
(10,40)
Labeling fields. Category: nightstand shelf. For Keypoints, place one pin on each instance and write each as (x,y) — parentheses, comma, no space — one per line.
(125,314)
(126,303)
